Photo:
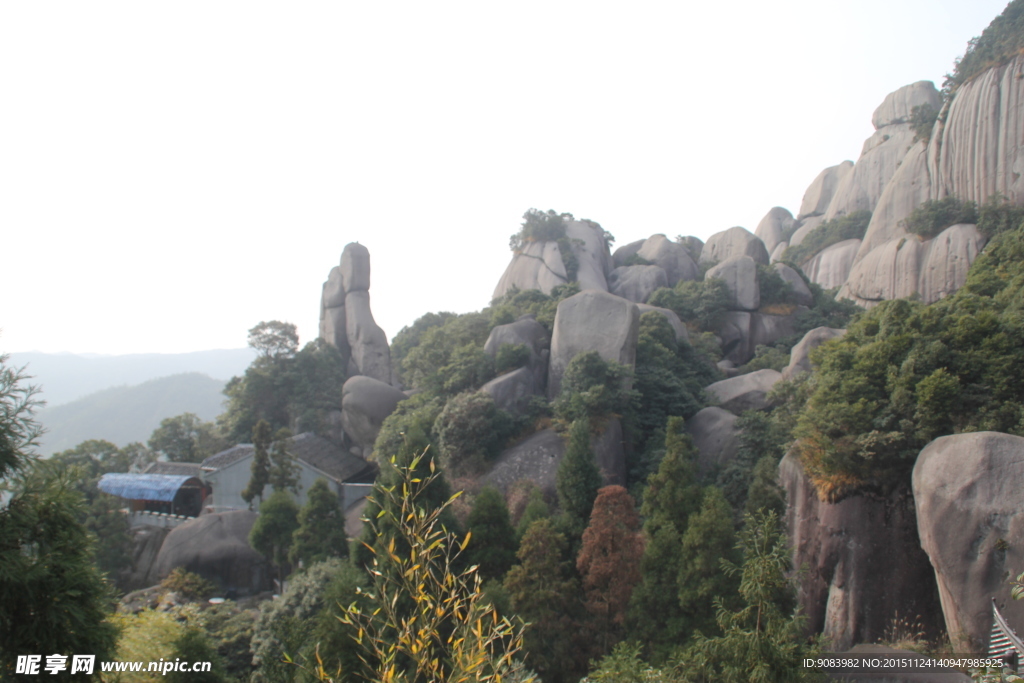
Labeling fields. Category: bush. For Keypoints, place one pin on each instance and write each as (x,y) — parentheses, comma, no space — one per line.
(471,431)
(539,226)
(849,227)
(700,302)
(922,120)
(997,45)
(998,215)
(774,290)
(511,357)
(592,387)
(188,585)
(935,215)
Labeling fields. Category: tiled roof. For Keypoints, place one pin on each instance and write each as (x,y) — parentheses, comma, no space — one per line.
(314,450)
(192,469)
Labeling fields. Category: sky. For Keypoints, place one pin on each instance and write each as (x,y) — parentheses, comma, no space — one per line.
(171,174)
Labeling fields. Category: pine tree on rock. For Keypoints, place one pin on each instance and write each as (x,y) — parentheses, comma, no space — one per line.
(492,544)
(321,533)
(260,463)
(578,479)
(609,564)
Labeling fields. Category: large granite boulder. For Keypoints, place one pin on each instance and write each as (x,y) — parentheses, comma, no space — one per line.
(865,567)
(741,332)
(530,333)
(898,106)
(776,225)
(535,459)
(807,226)
(716,436)
(592,321)
(636,283)
(819,193)
(831,266)
(693,245)
(672,257)
(778,252)
(365,403)
(908,188)
(682,334)
(513,390)
(370,352)
(800,356)
(881,155)
(332,313)
(355,268)
(902,267)
(967,489)
(734,242)
(216,546)
(146,542)
(740,275)
(801,292)
(591,250)
(538,266)
(623,253)
(745,392)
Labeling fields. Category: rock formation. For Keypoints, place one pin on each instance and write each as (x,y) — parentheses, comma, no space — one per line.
(800,355)
(673,258)
(365,403)
(716,436)
(746,392)
(864,561)
(740,275)
(540,266)
(775,227)
(967,490)
(636,283)
(734,242)
(819,194)
(592,321)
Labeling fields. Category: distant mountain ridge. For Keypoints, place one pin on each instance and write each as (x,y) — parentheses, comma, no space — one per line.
(129,413)
(65,377)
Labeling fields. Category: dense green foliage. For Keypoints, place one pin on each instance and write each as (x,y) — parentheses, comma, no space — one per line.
(186,438)
(321,531)
(188,585)
(922,120)
(272,532)
(578,479)
(470,431)
(848,227)
(935,215)
(774,290)
(492,545)
(511,357)
(539,226)
(906,373)
(592,388)
(284,473)
(1000,42)
(53,598)
(449,357)
(699,301)
(294,390)
(260,469)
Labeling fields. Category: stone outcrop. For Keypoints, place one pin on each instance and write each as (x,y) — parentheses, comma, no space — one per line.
(533,336)
(745,392)
(513,390)
(864,561)
(807,226)
(734,242)
(539,265)
(216,546)
(740,275)
(680,328)
(800,355)
(742,332)
(346,320)
(819,193)
(592,321)
(898,106)
(672,257)
(775,227)
(146,543)
(610,453)
(623,253)
(902,267)
(636,283)
(801,293)
(779,250)
(694,247)
(535,459)
(716,436)
(967,489)
(881,155)
(365,403)
(831,266)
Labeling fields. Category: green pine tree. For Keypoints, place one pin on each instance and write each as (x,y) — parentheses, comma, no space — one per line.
(260,463)
(284,473)
(708,539)
(321,532)
(272,532)
(578,479)
(536,509)
(492,544)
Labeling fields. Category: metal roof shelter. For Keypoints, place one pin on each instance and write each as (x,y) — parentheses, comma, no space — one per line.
(1003,642)
(172,493)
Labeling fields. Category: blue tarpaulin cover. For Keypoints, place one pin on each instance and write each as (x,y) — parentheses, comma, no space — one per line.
(143,486)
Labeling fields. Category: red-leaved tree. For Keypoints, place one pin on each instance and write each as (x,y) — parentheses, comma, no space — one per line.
(609,563)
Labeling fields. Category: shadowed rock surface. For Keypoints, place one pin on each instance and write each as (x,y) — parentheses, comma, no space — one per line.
(967,489)
(365,403)
(636,283)
(739,273)
(864,560)
(746,392)
(716,437)
(800,356)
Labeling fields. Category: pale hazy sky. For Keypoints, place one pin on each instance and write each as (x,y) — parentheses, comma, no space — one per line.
(173,173)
